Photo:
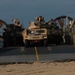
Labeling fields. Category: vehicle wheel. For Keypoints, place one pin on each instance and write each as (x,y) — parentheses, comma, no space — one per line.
(26,43)
(6,40)
(45,43)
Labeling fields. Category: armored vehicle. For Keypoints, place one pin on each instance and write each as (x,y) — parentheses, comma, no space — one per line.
(54,33)
(66,25)
(11,34)
(34,34)
(41,31)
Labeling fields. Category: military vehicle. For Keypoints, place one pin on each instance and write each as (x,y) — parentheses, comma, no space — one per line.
(11,35)
(60,30)
(41,31)
(54,33)
(34,34)
(57,31)
(67,29)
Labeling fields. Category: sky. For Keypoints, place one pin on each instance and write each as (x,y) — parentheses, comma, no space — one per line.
(28,10)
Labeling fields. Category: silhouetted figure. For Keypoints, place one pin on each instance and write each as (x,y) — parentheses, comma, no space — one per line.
(39,20)
(17,32)
(52,24)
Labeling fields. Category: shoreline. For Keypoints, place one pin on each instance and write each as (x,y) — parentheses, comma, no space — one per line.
(52,68)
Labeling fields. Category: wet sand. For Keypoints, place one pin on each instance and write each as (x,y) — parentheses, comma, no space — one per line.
(37,68)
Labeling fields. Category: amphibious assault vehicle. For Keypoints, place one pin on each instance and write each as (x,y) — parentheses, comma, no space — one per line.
(61,30)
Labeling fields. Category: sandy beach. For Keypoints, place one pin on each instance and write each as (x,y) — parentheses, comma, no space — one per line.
(38,68)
